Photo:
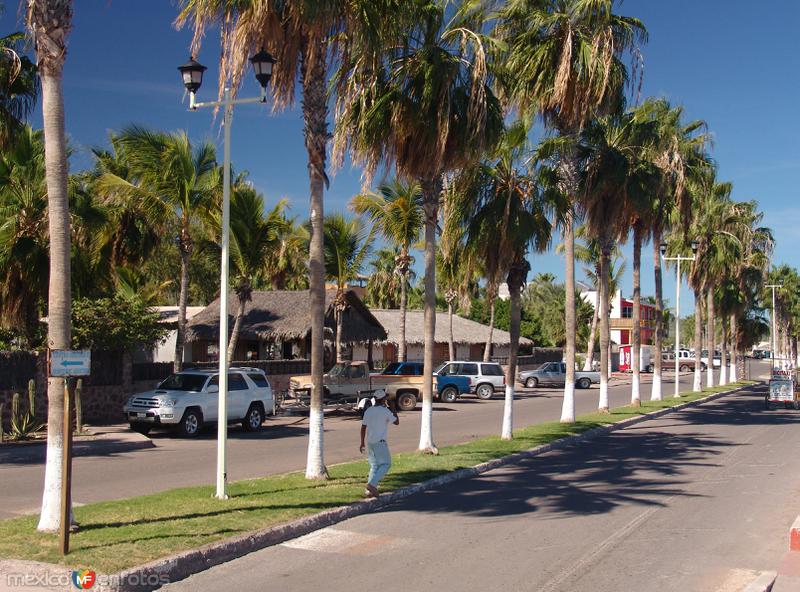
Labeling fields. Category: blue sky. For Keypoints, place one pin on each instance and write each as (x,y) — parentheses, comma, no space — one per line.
(733,63)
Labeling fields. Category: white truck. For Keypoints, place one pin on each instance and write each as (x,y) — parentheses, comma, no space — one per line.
(189,399)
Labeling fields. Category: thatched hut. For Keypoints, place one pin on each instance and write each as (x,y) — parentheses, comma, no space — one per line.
(277,325)
(469,337)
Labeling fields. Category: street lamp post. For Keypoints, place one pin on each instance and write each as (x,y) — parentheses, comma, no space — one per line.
(678,259)
(192,74)
(773,328)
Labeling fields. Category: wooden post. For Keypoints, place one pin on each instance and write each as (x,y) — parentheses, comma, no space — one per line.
(66,472)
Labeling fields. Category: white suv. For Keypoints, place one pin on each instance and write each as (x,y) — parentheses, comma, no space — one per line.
(187,400)
(485,378)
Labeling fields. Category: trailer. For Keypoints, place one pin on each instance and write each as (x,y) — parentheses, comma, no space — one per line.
(646,353)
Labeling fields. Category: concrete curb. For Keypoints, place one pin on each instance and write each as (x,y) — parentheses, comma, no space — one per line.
(181,565)
(762,583)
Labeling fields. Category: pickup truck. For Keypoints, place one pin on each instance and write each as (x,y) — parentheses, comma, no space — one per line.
(685,364)
(555,373)
(349,381)
(448,388)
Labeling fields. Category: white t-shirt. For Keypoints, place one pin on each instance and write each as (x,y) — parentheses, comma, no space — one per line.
(377,418)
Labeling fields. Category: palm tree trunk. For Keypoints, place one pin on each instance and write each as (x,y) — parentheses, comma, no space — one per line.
(723,370)
(451,348)
(315,114)
(697,385)
(515,289)
(59,297)
(658,342)
(587,366)
(710,337)
(237,326)
(401,347)
(637,315)
(487,349)
(568,404)
(183,298)
(431,190)
(605,337)
(339,326)
(734,350)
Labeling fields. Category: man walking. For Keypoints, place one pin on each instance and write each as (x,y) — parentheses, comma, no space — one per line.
(374,426)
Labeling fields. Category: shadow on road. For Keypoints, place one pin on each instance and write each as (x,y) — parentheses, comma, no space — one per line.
(643,465)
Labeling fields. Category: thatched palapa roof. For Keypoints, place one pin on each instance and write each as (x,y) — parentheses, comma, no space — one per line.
(465,331)
(285,315)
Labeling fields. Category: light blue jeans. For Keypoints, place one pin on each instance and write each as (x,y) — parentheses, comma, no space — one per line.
(380,461)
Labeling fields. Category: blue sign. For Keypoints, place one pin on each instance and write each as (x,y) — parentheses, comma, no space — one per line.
(65,362)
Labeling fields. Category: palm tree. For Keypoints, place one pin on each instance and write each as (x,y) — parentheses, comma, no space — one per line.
(506,214)
(564,62)
(301,35)
(384,285)
(49,23)
(426,107)
(24,254)
(19,87)
(176,181)
(253,237)
(397,211)
(286,266)
(347,244)
(615,180)
(679,150)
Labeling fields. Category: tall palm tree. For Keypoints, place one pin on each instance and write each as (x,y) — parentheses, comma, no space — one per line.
(176,181)
(507,213)
(396,210)
(24,256)
(286,266)
(253,236)
(301,34)
(426,107)
(679,150)
(347,244)
(19,86)
(614,180)
(49,23)
(564,61)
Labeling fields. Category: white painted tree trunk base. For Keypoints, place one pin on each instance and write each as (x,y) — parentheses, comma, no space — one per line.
(568,405)
(426,444)
(636,400)
(507,432)
(710,374)
(602,405)
(315,463)
(723,375)
(697,385)
(656,393)
(50,518)
(734,377)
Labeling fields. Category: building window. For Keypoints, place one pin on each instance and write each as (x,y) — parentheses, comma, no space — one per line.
(627,312)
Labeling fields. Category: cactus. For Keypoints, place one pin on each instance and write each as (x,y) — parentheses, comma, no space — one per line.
(78,407)
(2,417)
(32,397)
(15,406)
(23,425)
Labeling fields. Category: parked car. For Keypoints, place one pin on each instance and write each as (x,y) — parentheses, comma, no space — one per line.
(189,399)
(448,388)
(717,358)
(555,374)
(684,364)
(485,378)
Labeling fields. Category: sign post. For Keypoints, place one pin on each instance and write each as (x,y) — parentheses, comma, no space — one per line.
(68,364)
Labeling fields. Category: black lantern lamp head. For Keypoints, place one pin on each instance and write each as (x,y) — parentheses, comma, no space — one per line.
(192,74)
(695,244)
(663,249)
(262,66)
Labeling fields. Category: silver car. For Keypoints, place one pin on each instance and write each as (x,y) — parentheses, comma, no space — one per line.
(485,378)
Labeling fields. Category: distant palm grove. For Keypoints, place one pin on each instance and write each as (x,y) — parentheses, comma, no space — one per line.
(447,97)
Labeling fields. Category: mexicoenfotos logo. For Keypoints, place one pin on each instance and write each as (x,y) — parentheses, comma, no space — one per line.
(84,579)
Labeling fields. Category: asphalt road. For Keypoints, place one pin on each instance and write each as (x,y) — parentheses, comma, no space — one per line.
(281,446)
(699,500)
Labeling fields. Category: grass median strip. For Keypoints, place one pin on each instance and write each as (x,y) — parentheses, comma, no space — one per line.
(119,534)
